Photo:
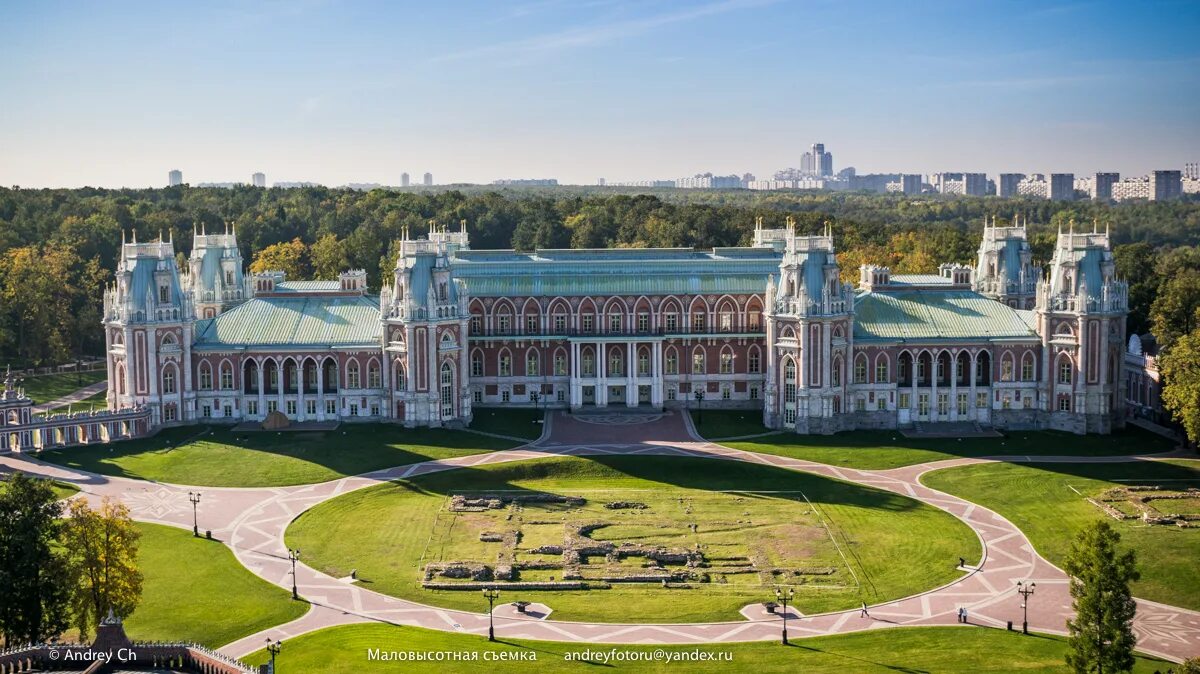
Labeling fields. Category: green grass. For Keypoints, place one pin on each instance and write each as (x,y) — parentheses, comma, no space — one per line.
(195,590)
(718,424)
(1039,499)
(880,450)
(896,546)
(346,649)
(518,422)
(47,387)
(218,457)
(61,489)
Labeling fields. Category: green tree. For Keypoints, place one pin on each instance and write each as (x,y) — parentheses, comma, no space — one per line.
(328,256)
(291,258)
(103,547)
(1101,635)
(34,577)
(1176,309)
(1180,366)
(1135,263)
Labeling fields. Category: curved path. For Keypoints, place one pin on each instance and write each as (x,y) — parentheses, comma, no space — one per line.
(252,523)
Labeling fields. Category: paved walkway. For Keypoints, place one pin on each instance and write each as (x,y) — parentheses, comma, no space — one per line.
(252,523)
(82,394)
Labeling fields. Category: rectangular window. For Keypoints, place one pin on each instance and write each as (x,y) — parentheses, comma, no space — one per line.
(726,321)
(252,407)
(672,364)
(789,416)
(671,392)
(169,413)
(962,403)
(614,322)
(860,404)
(205,411)
(1027,369)
(505,324)
(228,411)
(505,396)
(205,379)
(310,407)
(726,393)
(672,322)
(291,408)
(331,407)
(754,393)
(943,403)
(587,322)
(752,363)
(477,395)
(1006,370)
(353,409)
(904,401)
(755,321)
(226,380)
(643,322)
(531,325)
(560,364)
(697,322)
(698,363)
(1006,402)
(560,395)
(272,406)
(643,364)
(881,404)
(374,410)
(1064,403)
(981,400)
(560,323)
(476,325)
(726,363)
(923,404)
(505,365)
(1027,403)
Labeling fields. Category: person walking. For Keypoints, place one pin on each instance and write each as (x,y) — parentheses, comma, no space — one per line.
(863,613)
(964,615)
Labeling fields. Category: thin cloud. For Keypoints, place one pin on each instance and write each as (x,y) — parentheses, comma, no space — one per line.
(587,36)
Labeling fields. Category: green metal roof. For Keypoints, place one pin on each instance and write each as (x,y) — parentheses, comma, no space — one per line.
(913,315)
(307,286)
(313,321)
(619,271)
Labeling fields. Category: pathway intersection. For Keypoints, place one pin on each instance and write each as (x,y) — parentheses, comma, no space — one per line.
(252,523)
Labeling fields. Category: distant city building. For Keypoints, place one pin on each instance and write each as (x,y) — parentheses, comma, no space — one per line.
(946,183)
(1191,171)
(258,180)
(1034,185)
(428,179)
(975,184)
(1190,185)
(527,182)
(1007,186)
(709,181)
(601,182)
(291,185)
(1062,187)
(872,182)
(911,183)
(226,186)
(363,187)
(1102,186)
(404,180)
(1131,188)
(1165,185)
(175,178)
(643,183)
(817,162)
(747,178)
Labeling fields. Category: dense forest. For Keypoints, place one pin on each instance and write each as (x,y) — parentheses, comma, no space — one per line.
(58,247)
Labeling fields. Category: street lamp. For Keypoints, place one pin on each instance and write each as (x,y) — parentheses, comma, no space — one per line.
(699,406)
(273,649)
(294,555)
(194,497)
(534,396)
(491,594)
(1025,590)
(783,598)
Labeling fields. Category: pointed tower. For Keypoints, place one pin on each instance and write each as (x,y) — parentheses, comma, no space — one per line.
(215,279)
(809,321)
(1004,270)
(425,322)
(1081,310)
(148,318)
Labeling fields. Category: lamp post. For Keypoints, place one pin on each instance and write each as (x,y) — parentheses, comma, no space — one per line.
(491,594)
(273,649)
(534,396)
(700,406)
(783,598)
(194,497)
(294,555)
(1025,590)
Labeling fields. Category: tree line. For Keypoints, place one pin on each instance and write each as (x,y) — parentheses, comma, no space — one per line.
(58,247)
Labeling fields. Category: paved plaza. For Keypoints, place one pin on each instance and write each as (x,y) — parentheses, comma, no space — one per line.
(252,523)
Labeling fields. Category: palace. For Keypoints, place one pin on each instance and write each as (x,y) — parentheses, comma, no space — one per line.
(772,326)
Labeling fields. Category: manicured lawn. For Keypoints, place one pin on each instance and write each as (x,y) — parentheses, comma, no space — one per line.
(346,649)
(47,387)
(880,450)
(518,423)
(717,424)
(195,590)
(1042,500)
(218,457)
(895,546)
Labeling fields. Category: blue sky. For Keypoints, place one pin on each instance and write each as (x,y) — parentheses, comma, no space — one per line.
(118,93)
